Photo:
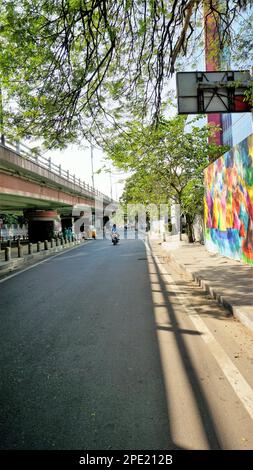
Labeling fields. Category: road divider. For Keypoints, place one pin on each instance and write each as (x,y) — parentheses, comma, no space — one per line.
(16,257)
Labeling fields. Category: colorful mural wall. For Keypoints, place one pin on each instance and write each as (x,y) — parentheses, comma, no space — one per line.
(228,203)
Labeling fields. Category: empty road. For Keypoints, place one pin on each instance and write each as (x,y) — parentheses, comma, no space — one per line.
(102,348)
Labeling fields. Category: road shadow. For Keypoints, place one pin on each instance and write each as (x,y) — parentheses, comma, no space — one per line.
(208,424)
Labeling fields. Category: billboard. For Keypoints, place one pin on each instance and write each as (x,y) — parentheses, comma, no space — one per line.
(213,92)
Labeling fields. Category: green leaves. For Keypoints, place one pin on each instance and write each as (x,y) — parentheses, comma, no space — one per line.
(92,64)
(167,160)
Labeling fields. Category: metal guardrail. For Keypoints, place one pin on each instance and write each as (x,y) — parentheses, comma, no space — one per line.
(25,152)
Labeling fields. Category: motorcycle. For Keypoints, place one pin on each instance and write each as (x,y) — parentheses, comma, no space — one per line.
(115,238)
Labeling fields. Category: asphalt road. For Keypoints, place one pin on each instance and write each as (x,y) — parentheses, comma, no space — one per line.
(97,353)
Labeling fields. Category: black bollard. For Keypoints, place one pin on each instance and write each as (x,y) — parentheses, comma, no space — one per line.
(20,251)
(7,253)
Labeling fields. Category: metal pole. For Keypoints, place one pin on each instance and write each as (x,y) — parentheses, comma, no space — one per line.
(111,182)
(92,169)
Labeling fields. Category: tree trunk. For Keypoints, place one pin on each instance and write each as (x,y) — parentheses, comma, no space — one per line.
(189,222)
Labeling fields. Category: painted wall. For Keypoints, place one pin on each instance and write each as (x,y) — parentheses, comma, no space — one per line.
(228,203)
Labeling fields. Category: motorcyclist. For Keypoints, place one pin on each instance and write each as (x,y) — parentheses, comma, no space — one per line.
(114,230)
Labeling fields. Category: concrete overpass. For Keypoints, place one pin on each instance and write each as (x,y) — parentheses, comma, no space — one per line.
(34,185)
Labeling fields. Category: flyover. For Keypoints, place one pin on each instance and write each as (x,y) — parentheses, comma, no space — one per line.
(42,190)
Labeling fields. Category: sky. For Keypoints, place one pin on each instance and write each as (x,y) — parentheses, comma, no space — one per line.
(77,160)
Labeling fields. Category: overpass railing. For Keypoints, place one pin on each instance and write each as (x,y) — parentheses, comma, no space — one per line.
(47,163)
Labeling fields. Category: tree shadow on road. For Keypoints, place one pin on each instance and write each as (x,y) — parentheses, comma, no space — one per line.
(205,414)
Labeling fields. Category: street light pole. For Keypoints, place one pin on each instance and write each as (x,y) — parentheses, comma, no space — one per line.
(92,169)
(111,182)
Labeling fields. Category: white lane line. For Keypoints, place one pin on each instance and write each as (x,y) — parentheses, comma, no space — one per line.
(40,262)
(232,373)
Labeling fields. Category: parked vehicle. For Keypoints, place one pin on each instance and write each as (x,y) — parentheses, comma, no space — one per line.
(90,232)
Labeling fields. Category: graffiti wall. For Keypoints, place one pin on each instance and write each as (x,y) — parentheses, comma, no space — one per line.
(228,203)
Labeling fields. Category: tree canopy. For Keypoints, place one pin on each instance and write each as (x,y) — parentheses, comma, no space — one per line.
(66,65)
(167,161)
(167,156)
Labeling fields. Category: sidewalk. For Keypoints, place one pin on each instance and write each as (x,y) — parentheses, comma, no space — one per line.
(228,281)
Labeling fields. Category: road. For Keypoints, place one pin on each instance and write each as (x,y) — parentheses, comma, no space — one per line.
(101,349)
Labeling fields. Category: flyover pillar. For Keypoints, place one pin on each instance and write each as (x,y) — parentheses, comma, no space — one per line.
(42,225)
(67,222)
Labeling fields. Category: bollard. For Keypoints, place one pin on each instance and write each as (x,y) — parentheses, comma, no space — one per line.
(52,243)
(45,245)
(7,253)
(20,251)
(38,247)
(30,248)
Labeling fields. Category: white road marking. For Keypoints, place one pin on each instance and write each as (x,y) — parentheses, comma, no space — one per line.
(233,375)
(40,262)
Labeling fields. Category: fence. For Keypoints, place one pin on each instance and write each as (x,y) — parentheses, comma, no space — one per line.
(47,163)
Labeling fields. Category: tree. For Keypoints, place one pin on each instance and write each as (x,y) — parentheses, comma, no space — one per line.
(10,219)
(168,163)
(68,64)
(143,188)
(241,46)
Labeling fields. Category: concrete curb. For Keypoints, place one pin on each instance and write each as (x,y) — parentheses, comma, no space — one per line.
(212,291)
